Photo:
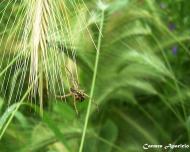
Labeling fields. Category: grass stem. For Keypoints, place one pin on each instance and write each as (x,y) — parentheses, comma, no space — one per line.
(93,82)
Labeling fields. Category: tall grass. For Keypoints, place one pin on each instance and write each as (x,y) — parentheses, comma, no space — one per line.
(94,76)
(121,55)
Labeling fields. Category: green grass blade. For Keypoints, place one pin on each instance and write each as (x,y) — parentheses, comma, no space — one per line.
(93,83)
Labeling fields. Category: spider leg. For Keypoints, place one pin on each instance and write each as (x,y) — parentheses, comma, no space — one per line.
(74,102)
(75,83)
(64,96)
(86,95)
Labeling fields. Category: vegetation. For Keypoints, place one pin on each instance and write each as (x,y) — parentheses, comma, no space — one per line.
(93,75)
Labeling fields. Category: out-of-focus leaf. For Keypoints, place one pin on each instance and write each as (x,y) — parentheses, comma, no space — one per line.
(108,132)
(7,114)
(1,102)
(135,28)
(148,59)
(142,85)
(145,133)
(22,119)
(117,5)
(65,111)
(57,132)
(188,124)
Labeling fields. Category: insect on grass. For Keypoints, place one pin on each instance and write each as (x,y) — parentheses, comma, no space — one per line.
(78,94)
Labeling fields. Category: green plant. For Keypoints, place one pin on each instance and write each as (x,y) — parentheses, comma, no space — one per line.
(124,56)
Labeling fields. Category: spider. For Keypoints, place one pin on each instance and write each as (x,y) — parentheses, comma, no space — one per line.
(77,94)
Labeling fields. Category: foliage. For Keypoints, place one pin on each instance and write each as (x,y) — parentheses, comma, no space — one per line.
(130,57)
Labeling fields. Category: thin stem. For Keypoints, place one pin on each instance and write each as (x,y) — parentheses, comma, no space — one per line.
(9,65)
(93,82)
(14,112)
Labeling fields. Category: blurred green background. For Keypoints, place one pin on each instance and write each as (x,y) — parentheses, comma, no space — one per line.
(142,82)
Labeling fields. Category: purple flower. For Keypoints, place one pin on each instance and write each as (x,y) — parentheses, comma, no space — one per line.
(174,50)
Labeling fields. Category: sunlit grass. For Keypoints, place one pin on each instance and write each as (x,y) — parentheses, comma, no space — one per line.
(118,52)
